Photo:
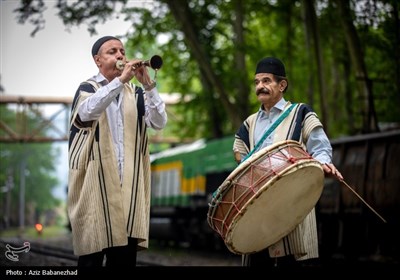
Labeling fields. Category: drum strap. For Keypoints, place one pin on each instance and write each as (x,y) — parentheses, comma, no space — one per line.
(269,131)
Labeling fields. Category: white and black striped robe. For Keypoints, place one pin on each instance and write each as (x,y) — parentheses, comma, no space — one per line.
(302,242)
(103,212)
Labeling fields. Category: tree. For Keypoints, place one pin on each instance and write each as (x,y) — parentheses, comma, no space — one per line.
(311,24)
(211,44)
(370,122)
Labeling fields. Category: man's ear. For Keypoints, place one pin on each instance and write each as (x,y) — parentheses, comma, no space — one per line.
(283,85)
(96,59)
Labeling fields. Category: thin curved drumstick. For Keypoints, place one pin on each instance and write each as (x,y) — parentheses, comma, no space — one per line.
(342,181)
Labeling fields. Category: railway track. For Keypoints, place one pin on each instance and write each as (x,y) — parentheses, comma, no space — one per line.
(43,249)
(42,254)
(45,258)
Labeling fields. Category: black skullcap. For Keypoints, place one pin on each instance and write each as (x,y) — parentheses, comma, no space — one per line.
(271,65)
(100,42)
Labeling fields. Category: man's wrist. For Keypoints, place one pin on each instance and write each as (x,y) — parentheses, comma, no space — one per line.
(150,86)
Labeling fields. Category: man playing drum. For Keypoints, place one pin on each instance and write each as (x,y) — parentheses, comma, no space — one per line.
(261,130)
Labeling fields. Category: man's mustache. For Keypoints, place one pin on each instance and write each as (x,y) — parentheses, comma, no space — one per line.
(262,90)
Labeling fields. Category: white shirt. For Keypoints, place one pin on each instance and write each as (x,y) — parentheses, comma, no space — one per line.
(318,144)
(104,99)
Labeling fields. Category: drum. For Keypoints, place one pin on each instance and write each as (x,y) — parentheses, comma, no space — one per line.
(265,197)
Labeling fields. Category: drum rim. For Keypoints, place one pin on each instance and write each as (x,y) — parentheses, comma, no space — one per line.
(310,163)
(243,168)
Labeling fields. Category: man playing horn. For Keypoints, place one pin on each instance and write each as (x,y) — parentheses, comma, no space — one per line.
(109,166)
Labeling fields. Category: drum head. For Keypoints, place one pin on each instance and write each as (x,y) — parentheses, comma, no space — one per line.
(280,207)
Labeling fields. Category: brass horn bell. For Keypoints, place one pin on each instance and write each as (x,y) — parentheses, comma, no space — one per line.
(155,62)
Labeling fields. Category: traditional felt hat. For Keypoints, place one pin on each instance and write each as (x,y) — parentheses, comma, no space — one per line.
(271,65)
(97,45)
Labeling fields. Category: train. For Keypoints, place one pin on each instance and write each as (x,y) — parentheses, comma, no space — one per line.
(183,180)
(357,221)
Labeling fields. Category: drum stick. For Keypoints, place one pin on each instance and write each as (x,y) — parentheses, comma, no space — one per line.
(376,213)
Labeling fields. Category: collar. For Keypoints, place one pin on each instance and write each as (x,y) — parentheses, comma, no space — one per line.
(280,105)
(99,78)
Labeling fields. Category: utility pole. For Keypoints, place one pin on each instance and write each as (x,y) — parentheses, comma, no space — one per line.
(22,197)
(7,197)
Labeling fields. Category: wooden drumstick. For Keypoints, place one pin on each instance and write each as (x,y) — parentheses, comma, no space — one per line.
(376,213)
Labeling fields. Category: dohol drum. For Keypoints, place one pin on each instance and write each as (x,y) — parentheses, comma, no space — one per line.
(266,197)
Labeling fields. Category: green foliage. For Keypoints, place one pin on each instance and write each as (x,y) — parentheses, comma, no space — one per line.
(269,28)
(31,165)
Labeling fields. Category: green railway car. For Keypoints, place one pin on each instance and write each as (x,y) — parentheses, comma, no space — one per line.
(183,178)
(181,173)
